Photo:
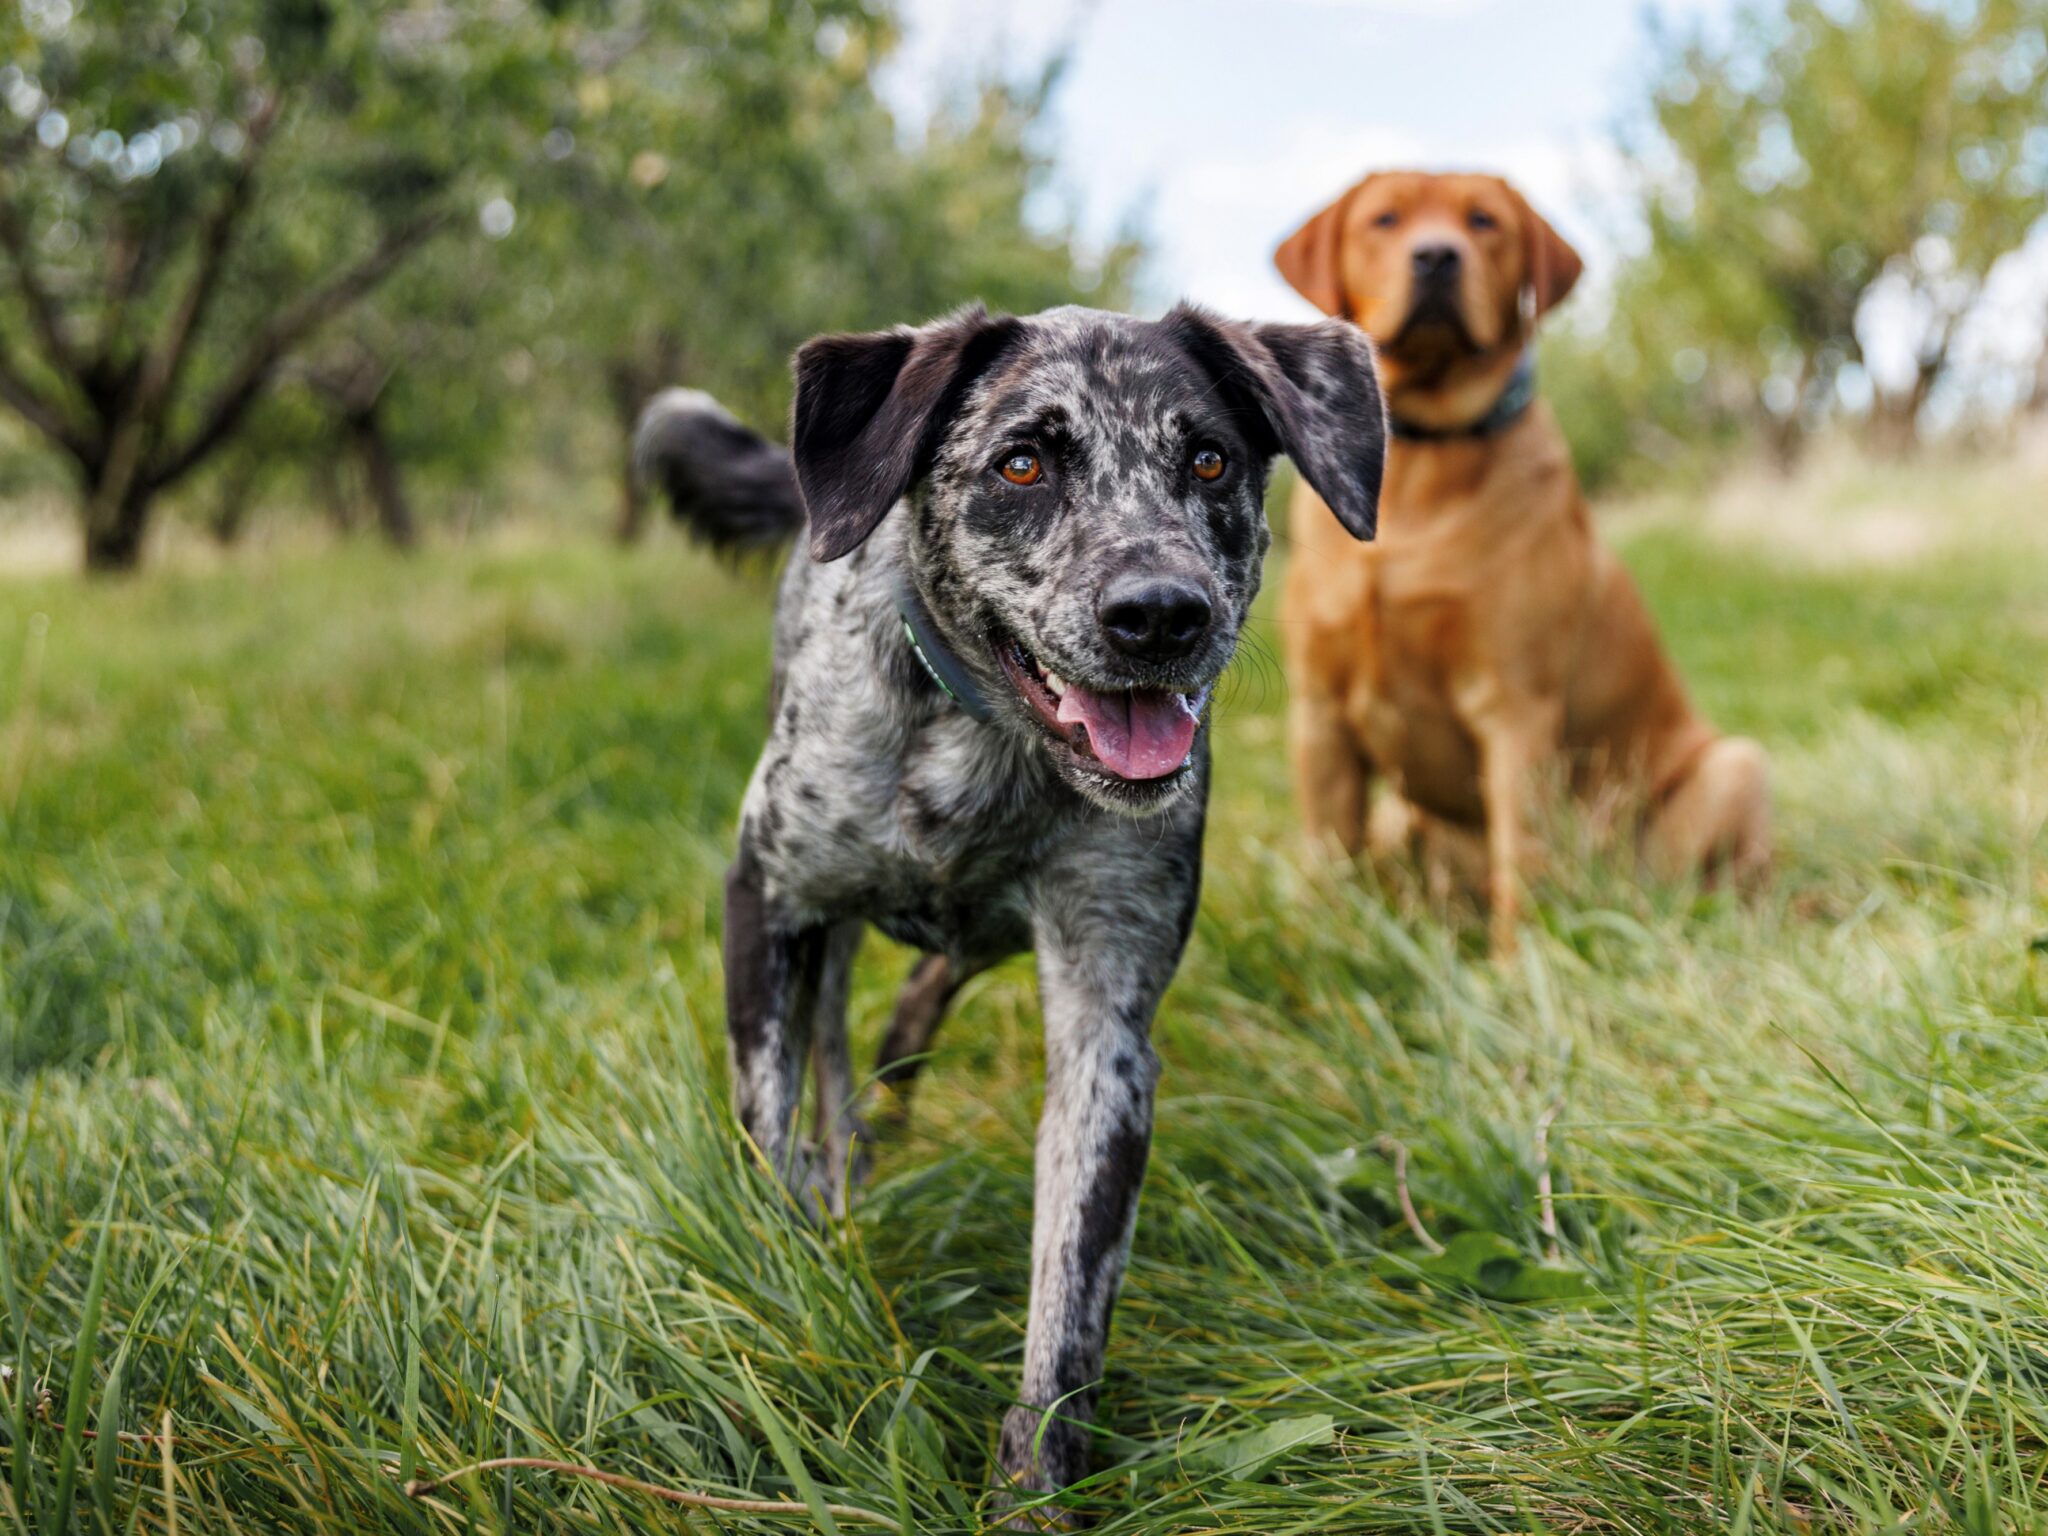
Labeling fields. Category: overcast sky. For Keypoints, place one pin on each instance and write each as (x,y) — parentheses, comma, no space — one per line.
(1223,123)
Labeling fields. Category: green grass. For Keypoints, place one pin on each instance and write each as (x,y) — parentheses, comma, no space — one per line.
(362,1105)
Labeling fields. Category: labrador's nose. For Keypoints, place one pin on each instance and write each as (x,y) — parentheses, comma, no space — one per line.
(1435,263)
(1154,618)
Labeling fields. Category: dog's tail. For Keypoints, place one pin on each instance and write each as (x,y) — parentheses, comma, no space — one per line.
(726,483)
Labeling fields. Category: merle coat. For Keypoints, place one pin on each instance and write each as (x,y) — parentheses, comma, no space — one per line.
(1045,493)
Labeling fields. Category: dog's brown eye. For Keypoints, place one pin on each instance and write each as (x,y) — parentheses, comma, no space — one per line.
(1388,219)
(1479,218)
(1022,469)
(1208,464)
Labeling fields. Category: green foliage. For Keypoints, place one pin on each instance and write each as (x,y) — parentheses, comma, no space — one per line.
(371,911)
(1490,1265)
(619,196)
(728,189)
(191,189)
(1250,1454)
(1797,159)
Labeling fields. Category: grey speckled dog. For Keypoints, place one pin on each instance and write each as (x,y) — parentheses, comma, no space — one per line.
(988,730)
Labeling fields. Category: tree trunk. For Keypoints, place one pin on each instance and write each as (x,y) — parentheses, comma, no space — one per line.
(632,521)
(381,477)
(114,530)
(231,507)
(1787,439)
(629,391)
(632,380)
(329,477)
(1894,425)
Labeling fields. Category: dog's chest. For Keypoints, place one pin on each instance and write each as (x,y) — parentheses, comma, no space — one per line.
(1420,625)
(928,830)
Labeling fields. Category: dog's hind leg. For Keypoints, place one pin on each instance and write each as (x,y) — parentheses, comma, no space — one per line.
(920,1008)
(1716,821)
(772,969)
(840,1133)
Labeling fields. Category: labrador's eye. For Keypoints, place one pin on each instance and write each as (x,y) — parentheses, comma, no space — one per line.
(1208,464)
(1387,220)
(1022,469)
(1479,218)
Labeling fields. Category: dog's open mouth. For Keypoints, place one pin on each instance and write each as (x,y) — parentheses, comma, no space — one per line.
(1135,734)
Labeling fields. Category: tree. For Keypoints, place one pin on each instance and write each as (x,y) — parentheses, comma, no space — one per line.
(1816,176)
(191,189)
(428,377)
(728,187)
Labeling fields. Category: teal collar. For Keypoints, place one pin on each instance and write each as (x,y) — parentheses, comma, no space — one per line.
(1513,403)
(937,659)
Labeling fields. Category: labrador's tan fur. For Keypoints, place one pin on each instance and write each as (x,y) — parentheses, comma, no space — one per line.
(1488,642)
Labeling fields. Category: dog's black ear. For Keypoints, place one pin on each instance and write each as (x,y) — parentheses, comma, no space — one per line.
(1315,392)
(869,413)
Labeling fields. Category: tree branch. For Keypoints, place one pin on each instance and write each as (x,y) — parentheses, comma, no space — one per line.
(42,310)
(131,260)
(137,418)
(167,358)
(28,402)
(287,329)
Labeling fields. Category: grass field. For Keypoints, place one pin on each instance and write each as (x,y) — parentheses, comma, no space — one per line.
(361,1088)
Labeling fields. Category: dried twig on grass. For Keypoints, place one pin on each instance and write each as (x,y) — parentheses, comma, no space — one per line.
(420,1487)
(170,1477)
(1399,1153)
(1546,1207)
(45,1410)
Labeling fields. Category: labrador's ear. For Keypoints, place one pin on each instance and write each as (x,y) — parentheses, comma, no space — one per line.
(869,413)
(1311,392)
(1312,258)
(1550,265)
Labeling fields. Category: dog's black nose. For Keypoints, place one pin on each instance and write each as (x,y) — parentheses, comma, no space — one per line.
(1435,263)
(1154,618)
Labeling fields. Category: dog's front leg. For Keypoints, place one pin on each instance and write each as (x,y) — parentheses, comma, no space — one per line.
(842,1133)
(1332,774)
(1098,995)
(1515,746)
(772,967)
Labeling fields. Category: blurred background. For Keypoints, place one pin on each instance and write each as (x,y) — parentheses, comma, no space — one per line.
(412,266)
(361,1014)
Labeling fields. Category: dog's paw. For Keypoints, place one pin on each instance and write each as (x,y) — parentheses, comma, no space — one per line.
(827,1178)
(1042,1518)
(1039,1454)
(885,1111)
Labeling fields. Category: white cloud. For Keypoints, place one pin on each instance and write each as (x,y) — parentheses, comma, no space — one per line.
(948,44)
(1325,91)
(1214,222)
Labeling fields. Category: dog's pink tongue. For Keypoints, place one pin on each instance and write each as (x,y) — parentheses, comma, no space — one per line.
(1141,735)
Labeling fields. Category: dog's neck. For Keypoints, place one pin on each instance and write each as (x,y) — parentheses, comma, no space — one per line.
(1479,400)
(1508,407)
(941,664)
